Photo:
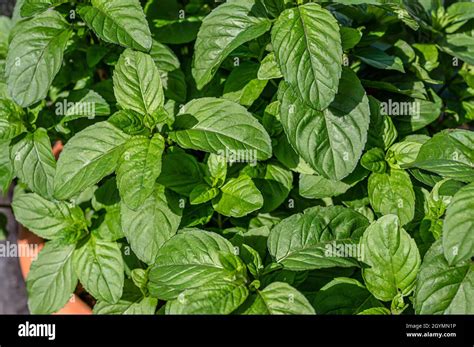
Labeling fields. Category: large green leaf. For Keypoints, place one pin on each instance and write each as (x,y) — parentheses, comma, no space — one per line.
(330,141)
(458,227)
(449,154)
(137,83)
(138,168)
(279,298)
(392,193)
(239,197)
(221,127)
(311,240)
(244,20)
(308,49)
(118,21)
(153,223)
(51,280)
(88,157)
(31,68)
(100,268)
(45,218)
(444,289)
(34,163)
(189,260)
(220,297)
(393,258)
(343,296)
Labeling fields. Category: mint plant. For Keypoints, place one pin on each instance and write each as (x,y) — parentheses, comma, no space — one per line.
(243,157)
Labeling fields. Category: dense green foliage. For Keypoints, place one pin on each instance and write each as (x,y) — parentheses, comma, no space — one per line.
(246,157)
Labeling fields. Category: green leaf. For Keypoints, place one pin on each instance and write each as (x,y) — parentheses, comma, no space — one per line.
(379,59)
(269,68)
(460,46)
(405,152)
(382,132)
(130,122)
(279,298)
(88,157)
(202,193)
(307,47)
(164,58)
(239,197)
(393,258)
(6,24)
(243,86)
(3,227)
(137,83)
(350,37)
(180,172)
(392,193)
(374,160)
(153,223)
(330,141)
(310,240)
(110,229)
(33,7)
(221,127)
(217,167)
(100,269)
(274,181)
(218,297)
(81,104)
(318,187)
(245,21)
(6,167)
(441,288)
(125,306)
(34,163)
(11,124)
(458,236)
(119,21)
(343,296)
(376,311)
(47,219)
(138,168)
(30,69)
(51,280)
(426,112)
(189,260)
(449,154)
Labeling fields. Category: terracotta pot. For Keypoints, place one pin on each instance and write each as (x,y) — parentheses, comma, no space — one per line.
(27,238)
